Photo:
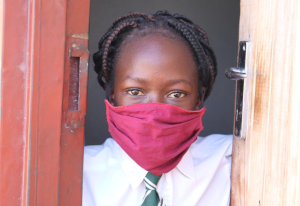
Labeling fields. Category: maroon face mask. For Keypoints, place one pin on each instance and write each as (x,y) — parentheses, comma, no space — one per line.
(154,135)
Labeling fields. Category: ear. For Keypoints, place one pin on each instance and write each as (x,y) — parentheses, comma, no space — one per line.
(111,98)
(203,93)
(198,99)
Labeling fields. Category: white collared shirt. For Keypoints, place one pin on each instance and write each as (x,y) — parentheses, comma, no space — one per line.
(202,178)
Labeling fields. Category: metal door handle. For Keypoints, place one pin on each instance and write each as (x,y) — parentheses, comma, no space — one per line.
(239,74)
(235,74)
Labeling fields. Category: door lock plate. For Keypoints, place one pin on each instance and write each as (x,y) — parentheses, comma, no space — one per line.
(239,74)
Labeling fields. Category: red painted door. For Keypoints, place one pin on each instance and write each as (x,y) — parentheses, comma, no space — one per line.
(43,85)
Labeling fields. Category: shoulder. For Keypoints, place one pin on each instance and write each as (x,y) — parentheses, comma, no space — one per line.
(100,157)
(212,145)
(101,169)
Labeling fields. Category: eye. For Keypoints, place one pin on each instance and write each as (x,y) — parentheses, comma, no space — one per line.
(135,92)
(177,95)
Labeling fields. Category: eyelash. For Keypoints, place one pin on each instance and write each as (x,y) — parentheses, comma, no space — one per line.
(129,91)
(179,92)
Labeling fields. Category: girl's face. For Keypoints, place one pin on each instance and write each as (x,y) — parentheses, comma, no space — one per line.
(155,68)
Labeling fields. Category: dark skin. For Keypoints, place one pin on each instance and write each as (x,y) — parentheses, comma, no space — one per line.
(156,68)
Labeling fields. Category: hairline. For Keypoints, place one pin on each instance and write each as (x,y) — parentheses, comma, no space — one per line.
(159,32)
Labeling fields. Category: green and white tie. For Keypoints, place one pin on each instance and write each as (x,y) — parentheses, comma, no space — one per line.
(151,197)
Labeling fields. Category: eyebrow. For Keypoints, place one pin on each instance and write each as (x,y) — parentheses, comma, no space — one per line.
(175,81)
(169,82)
(137,79)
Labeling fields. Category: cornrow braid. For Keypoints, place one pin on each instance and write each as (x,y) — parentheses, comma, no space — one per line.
(204,35)
(210,58)
(163,13)
(137,24)
(150,17)
(182,17)
(130,15)
(192,39)
(108,43)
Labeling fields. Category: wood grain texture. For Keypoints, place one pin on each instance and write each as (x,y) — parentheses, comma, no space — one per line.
(266,166)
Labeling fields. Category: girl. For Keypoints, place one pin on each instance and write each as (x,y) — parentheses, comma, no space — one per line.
(157,70)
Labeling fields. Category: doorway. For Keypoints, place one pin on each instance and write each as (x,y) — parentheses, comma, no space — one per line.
(220,19)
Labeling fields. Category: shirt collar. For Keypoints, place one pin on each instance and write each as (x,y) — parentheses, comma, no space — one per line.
(136,174)
(186,165)
(133,171)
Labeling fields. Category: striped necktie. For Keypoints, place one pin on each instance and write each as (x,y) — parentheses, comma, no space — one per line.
(151,197)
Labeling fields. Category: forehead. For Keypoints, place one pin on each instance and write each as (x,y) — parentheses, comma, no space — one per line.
(156,53)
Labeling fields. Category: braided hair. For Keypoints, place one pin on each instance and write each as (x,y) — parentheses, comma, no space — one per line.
(136,24)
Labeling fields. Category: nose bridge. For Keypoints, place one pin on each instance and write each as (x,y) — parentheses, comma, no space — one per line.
(155,97)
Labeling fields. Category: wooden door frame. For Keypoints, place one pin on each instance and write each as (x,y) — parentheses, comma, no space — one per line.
(266,165)
(33,141)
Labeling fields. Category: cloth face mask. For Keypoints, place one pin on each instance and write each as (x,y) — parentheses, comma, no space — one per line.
(154,135)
